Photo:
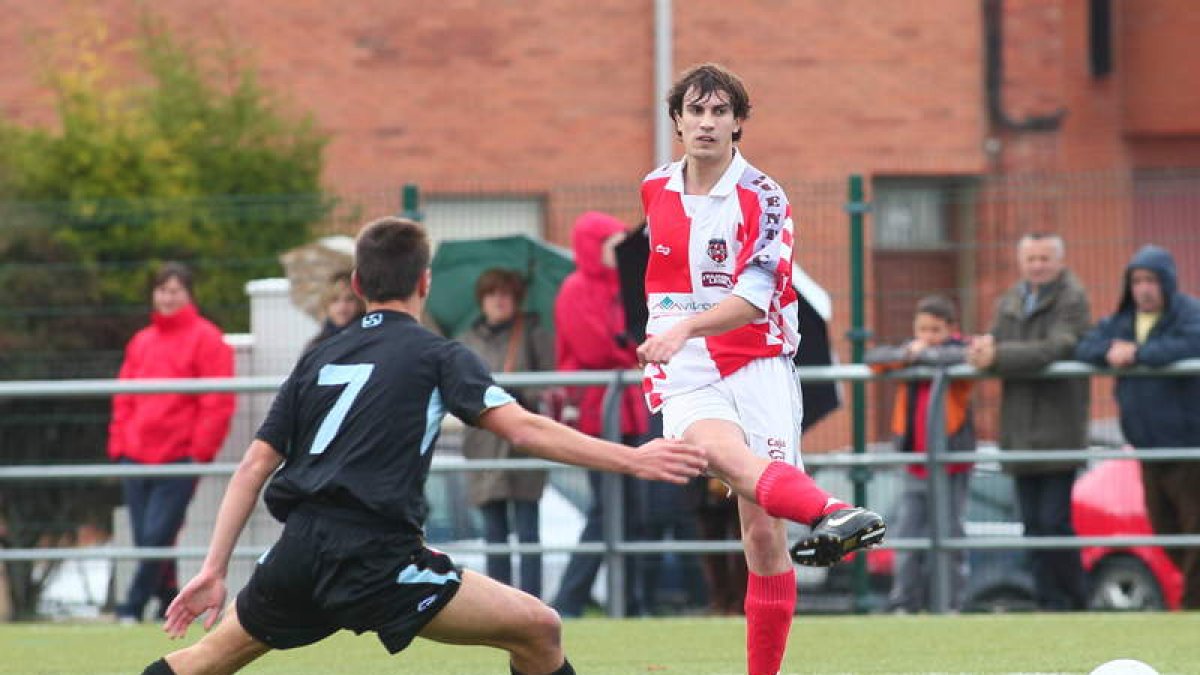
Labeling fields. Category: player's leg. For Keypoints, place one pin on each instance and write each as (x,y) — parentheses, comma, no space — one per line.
(771,585)
(770,589)
(771,410)
(227,649)
(486,612)
(782,489)
(724,418)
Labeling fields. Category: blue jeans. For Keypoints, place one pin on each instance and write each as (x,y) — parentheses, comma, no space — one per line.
(1058,577)
(157,507)
(496,530)
(576,588)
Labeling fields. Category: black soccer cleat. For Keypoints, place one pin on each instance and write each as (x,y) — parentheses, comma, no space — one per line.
(837,534)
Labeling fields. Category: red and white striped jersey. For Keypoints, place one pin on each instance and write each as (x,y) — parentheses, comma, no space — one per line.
(736,240)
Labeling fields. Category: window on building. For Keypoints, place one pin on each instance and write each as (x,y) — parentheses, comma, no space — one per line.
(916,213)
(483,216)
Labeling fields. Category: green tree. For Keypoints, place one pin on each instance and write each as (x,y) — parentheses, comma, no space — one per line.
(189,158)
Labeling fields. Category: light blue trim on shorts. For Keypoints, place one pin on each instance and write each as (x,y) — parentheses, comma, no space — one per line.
(412,575)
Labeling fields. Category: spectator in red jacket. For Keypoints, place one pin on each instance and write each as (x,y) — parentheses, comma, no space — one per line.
(167,428)
(590,335)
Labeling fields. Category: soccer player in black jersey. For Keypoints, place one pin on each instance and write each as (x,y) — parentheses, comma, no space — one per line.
(344,453)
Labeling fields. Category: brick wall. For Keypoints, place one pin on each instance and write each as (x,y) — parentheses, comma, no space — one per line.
(544,97)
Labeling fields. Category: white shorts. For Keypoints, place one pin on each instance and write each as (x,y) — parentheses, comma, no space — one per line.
(762,398)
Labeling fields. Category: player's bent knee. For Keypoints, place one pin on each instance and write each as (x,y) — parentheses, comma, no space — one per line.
(534,627)
(539,637)
(542,623)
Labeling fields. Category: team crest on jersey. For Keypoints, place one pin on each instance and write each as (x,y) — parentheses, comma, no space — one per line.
(718,250)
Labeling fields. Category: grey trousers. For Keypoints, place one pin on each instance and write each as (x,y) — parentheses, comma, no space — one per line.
(912,576)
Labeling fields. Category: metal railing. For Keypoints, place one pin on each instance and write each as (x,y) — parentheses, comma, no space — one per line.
(613,547)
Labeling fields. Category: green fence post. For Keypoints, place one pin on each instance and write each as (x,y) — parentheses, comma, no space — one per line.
(858,335)
(410,202)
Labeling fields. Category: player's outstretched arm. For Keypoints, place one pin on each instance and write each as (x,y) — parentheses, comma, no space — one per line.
(206,592)
(660,459)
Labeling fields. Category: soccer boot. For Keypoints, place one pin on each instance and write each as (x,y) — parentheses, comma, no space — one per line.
(837,534)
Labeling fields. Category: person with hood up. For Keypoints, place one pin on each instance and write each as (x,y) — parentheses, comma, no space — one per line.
(591,335)
(1156,325)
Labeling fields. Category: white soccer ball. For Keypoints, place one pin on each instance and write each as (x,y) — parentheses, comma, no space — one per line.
(1124,667)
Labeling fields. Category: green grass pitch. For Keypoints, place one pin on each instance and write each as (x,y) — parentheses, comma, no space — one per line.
(1012,643)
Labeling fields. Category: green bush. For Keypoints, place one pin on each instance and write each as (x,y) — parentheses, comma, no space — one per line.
(191,159)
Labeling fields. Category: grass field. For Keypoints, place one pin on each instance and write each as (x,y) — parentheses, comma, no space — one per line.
(1013,643)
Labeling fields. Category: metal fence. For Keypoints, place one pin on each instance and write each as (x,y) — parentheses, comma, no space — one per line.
(953,235)
(614,547)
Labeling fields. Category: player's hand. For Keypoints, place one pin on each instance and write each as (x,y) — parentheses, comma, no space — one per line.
(660,348)
(204,593)
(672,461)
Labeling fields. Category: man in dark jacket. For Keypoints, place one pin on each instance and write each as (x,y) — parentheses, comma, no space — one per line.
(1037,322)
(1156,325)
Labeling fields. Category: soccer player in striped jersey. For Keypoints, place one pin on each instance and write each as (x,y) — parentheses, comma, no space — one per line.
(722,332)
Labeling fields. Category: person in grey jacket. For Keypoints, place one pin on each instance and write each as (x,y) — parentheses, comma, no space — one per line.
(508,340)
(1156,325)
(1038,321)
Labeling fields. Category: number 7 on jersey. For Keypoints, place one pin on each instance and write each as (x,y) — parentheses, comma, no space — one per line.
(355,377)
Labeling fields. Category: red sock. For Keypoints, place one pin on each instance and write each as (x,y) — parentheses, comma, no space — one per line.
(787,492)
(770,604)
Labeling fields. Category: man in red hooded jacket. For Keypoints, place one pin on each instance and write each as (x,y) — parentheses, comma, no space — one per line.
(167,428)
(590,335)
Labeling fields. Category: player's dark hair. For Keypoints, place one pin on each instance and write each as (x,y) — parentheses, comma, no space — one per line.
(172,270)
(705,79)
(390,255)
(938,306)
(500,279)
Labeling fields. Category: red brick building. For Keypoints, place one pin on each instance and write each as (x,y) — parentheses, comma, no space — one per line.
(972,120)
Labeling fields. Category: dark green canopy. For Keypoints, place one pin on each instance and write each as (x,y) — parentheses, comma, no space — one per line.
(458,264)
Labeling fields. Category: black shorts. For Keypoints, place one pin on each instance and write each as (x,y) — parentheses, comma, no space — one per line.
(328,572)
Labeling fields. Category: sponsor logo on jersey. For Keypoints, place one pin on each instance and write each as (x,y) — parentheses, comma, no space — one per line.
(668,304)
(662,249)
(718,250)
(371,320)
(424,604)
(716,280)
